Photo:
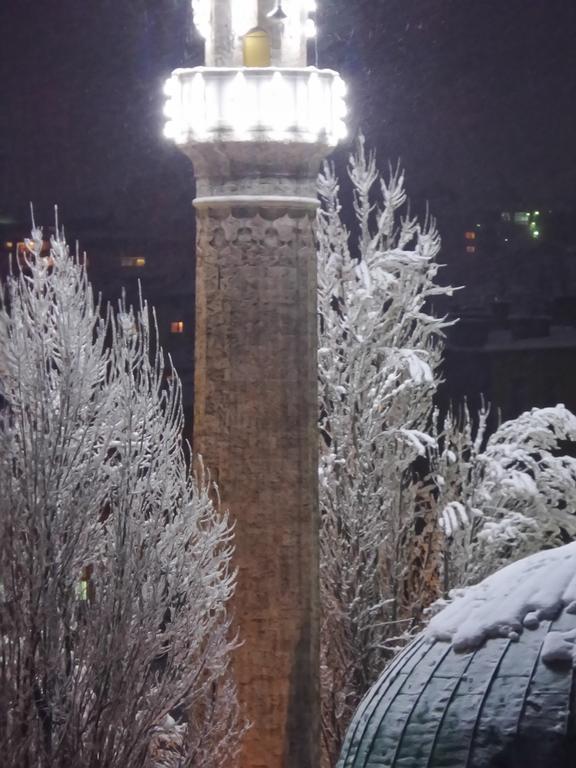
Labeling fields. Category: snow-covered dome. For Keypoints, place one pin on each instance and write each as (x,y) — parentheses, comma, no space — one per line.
(490,684)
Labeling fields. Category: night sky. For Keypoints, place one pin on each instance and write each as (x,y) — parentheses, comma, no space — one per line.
(477,99)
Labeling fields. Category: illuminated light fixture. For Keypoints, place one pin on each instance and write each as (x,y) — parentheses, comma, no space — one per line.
(470,235)
(339,109)
(255,103)
(536,213)
(341,131)
(240,104)
(340,88)
(9,244)
(281,114)
(278,14)
(172,108)
(170,131)
(315,106)
(535,233)
(170,87)
(470,249)
(310,29)
(177,326)
(202,17)
(197,96)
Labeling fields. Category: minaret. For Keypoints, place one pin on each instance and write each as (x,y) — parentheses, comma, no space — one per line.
(256,122)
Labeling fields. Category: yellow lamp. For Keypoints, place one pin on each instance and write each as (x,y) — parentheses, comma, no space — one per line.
(256,48)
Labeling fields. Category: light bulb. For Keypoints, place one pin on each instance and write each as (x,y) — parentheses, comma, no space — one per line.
(170,130)
(170,87)
(310,29)
(341,130)
(170,109)
(340,87)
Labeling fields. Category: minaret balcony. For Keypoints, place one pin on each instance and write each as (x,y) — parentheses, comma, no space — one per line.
(264,105)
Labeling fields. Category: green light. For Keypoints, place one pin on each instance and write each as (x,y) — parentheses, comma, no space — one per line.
(532,224)
(535,233)
(536,213)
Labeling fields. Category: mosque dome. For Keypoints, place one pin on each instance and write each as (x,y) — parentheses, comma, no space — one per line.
(489,684)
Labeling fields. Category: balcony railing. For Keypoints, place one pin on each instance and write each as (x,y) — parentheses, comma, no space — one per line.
(249,104)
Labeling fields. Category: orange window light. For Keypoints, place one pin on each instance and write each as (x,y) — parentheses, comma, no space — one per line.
(470,235)
(177,326)
(133,261)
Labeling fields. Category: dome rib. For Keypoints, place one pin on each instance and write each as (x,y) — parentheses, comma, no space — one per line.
(379,690)
(435,695)
(469,746)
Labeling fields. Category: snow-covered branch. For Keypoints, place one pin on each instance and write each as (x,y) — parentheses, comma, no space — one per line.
(115,559)
(508,495)
(380,348)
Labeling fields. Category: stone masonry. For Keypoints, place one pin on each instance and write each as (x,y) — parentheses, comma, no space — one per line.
(255,424)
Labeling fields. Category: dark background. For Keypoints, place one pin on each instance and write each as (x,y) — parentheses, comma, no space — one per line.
(477,98)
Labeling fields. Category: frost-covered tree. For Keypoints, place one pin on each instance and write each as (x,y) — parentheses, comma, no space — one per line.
(505,496)
(380,348)
(115,563)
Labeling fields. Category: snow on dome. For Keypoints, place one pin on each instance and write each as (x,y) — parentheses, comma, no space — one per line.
(520,596)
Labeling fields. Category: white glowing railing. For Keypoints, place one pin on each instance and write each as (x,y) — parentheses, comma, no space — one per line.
(249,104)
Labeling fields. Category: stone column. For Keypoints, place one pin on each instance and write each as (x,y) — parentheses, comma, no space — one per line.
(255,424)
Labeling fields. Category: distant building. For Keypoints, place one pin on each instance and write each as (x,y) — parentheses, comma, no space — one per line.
(119,259)
(515,342)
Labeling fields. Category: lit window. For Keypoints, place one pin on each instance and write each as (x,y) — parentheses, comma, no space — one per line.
(470,235)
(470,249)
(521,217)
(23,254)
(177,326)
(133,261)
(82,590)
(9,244)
